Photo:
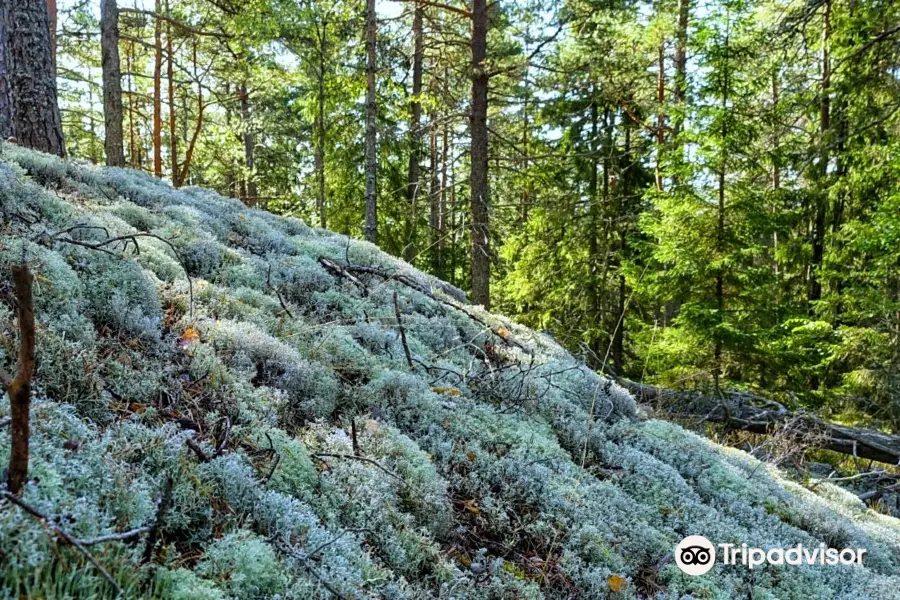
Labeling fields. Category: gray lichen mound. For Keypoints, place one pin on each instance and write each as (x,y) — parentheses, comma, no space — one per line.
(496,466)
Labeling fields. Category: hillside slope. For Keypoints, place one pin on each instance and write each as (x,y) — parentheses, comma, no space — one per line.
(342,451)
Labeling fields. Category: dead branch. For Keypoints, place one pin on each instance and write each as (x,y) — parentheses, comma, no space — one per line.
(220,449)
(193,445)
(277,292)
(288,550)
(749,412)
(114,537)
(126,240)
(343,270)
(19,388)
(409,359)
(65,535)
(375,463)
(165,502)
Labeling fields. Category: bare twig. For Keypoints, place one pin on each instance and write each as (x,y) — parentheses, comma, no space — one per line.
(127,239)
(65,535)
(114,537)
(193,445)
(409,359)
(277,292)
(286,549)
(165,502)
(375,463)
(220,449)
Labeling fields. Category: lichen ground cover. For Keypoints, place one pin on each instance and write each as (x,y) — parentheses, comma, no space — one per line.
(344,452)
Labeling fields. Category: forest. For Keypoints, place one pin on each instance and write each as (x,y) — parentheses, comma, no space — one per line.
(254,256)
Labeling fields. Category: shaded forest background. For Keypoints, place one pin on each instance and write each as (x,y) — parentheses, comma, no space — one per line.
(692,194)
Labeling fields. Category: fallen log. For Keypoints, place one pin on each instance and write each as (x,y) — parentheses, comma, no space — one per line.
(744,411)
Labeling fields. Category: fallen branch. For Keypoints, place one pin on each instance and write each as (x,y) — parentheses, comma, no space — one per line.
(347,270)
(409,359)
(114,537)
(277,292)
(127,239)
(19,388)
(75,542)
(286,549)
(193,445)
(747,412)
(165,502)
(320,455)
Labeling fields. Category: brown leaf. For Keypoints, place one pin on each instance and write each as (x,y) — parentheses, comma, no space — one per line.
(617,583)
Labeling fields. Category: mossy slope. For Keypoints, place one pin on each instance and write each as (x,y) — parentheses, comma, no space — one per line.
(486,474)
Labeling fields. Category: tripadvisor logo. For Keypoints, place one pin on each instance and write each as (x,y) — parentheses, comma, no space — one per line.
(696,555)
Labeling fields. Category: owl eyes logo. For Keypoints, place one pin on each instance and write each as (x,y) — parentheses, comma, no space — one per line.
(695,555)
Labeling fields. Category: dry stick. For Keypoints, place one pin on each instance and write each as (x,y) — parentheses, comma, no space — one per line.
(277,293)
(131,237)
(193,445)
(294,554)
(19,388)
(65,535)
(220,449)
(345,270)
(409,359)
(319,456)
(114,537)
(356,449)
(164,504)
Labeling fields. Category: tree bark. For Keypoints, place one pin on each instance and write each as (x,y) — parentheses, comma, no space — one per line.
(112,83)
(720,227)
(748,412)
(681,83)
(414,183)
(479,198)
(173,124)
(5,91)
(660,114)
(818,245)
(52,19)
(594,293)
(19,388)
(157,96)
(249,146)
(371,127)
(435,217)
(319,157)
(35,118)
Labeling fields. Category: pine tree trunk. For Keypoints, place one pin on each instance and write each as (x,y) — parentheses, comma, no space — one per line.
(319,158)
(371,127)
(720,227)
(5,92)
(415,137)
(112,83)
(660,114)
(173,124)
(35,117)
(478,181)
(157,96)
(434,197)
(594,298)
(249,146)
(818,245)
(681,83)
(52,18)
